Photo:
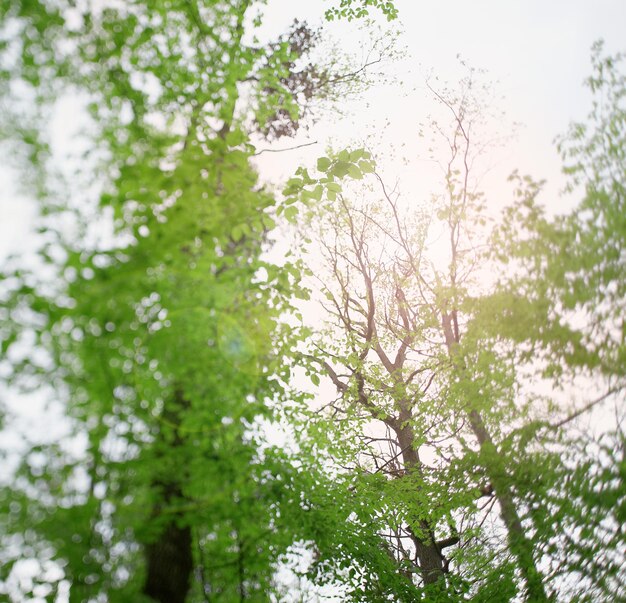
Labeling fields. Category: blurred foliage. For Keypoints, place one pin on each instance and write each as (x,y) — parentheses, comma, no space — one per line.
(157,324)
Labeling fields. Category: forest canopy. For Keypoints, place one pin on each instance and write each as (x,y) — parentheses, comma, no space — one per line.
(324,389)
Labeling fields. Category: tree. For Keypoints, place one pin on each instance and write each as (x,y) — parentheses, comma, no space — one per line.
(461,470)
(593,154)
(162,340)
(576,264)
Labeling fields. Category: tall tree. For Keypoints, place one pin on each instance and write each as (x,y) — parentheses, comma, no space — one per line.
(462,467)
(573,265)
(161,339)
(593,153)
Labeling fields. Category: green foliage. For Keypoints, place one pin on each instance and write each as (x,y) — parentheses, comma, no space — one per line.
(438,474)
(435,364)
(594,157)
(358,9)
(162,341)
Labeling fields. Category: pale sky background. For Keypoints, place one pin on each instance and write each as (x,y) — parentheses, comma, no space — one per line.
(538,50)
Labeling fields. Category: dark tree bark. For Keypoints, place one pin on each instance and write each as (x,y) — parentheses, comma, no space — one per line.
(431,562)
(169,561)
(169,553)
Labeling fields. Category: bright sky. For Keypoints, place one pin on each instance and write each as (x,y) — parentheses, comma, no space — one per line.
(537,49)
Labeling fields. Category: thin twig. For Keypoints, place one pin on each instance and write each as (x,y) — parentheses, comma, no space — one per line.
(584,409)
(299,146)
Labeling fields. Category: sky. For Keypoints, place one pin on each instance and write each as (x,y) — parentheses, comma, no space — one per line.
(538,51)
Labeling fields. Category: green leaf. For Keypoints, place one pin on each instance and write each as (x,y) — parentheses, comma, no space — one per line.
(317,192)
(323,163)
(237,233)
(291,213)
(357,154)
(341,168)
(354,172)
(367,167)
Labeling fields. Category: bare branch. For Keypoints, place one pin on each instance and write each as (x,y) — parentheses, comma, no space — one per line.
(299,146)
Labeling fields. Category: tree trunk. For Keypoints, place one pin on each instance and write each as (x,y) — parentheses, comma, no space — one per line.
(519,544)
(169,555)
(431,562)
(169,560)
